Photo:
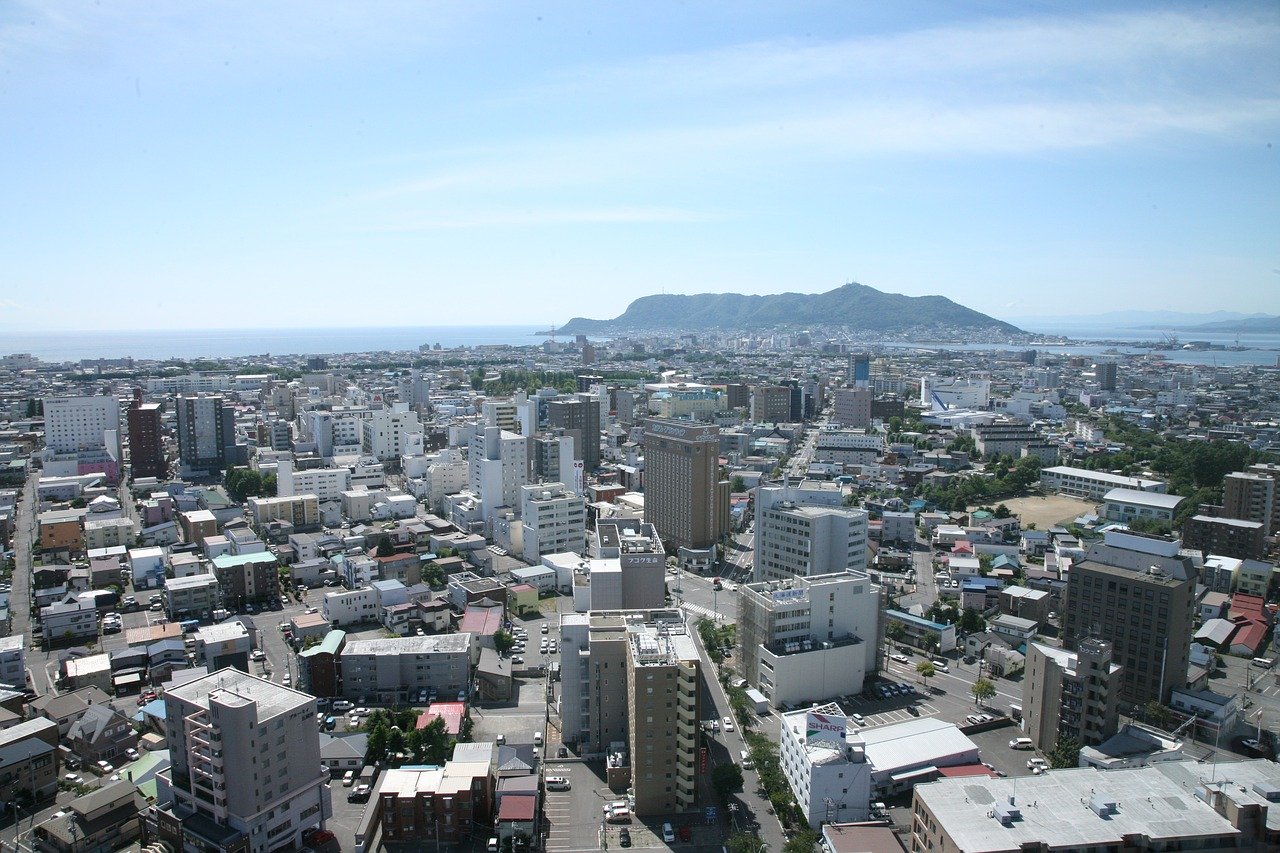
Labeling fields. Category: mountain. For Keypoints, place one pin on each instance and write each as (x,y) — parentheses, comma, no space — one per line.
(854,306)
(1265,324)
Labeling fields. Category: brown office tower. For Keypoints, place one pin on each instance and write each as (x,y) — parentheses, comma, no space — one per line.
(146,448)
(1137,592)
(580,418)
(684,496)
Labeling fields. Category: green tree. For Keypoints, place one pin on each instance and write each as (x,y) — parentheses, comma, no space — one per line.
(982,690)
(1065,753)
(1156,714)
(803,841)
(725,779)
(745,842)
(1002,511)
(971,621)
(435,741)
(926,670)
(433,576)
(931,641)
(376,744)
(385,546)
(395,740)
(895,631)
(503,641)
(737,484)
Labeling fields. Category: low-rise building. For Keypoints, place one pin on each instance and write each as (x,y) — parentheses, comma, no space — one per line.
(192,595)
(1168,806)
(29,759)
(1085,483)
(395,670)
(1129,505)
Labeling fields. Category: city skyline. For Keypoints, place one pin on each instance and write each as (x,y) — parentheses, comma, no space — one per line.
(297,165)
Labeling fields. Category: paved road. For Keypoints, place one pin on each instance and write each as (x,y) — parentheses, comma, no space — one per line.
(727,746)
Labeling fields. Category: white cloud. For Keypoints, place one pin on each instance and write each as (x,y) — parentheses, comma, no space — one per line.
(1018,87)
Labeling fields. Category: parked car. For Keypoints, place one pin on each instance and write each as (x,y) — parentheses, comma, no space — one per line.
(342,706)
(348,778)
(558,783)
(728,724)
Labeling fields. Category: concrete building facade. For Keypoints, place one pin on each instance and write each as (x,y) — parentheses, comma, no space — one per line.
(685,498)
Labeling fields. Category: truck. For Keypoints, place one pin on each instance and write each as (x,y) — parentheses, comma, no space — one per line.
(757,701)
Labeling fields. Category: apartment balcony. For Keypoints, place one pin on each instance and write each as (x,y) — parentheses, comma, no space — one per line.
(686,741)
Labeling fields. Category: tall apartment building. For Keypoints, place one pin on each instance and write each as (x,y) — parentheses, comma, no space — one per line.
(685,498)
(771,404)
(206,433)
(1225,536)
(553,521)
(1251,496)
(630,682)
(579,417)
(245,771)
(503,414)
(1105,373)
(1268,469)
(551,458)
(1070,695)
(809,639)
(81,423)
(146,441)
(498,466)
(852,406)
(1136,592)
(662,717)
(806,530)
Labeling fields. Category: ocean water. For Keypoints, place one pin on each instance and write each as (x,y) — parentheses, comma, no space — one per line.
(1261,349)
(228,343)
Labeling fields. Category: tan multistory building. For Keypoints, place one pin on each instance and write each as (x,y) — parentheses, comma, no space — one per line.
(685,497)
(1070,695)
(1137,592)
(631,686)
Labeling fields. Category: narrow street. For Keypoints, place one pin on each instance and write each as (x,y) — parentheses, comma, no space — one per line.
(727,747)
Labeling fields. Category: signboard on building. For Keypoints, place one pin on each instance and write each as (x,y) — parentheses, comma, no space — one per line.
(830,727)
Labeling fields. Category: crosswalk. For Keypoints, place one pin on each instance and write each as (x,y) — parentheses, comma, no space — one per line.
(699,610)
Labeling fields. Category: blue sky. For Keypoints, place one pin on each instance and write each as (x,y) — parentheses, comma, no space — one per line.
(319,164)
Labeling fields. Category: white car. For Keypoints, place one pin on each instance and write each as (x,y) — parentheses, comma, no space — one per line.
(728,724)
(342,706)
(900,658)
(258,654)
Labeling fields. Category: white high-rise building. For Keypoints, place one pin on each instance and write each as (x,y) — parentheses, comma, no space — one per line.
(498,463)
(245,771)
(327,484)
(806,530)
(809,639)
(386,432)
(82,423)
(553,519)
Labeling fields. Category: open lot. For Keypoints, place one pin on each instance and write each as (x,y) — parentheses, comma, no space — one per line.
(1044,511)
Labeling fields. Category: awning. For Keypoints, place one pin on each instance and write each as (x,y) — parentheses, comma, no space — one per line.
(905,775)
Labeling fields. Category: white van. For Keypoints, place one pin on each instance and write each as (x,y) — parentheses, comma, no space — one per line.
(1265,663)
(668,834)
(746,760)
(941,666)
(1021,743)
